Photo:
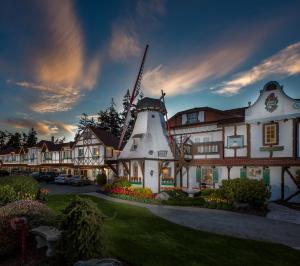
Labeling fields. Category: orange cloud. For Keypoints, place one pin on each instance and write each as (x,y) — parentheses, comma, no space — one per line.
(188,75)
(284,63)
(44,128)
(62,71)
(124,44)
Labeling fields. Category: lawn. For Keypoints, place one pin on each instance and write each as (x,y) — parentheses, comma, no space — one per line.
(140,238)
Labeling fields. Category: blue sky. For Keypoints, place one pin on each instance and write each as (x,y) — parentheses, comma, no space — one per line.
(60,58)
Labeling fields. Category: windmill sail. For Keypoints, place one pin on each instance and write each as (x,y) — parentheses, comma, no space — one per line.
(135,92)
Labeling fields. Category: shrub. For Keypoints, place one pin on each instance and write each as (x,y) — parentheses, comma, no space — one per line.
(101,179)
(107,187)
(82,226)
(36,214)
(200,202)
(176,193)
(124,183)
(250,191)
(26,187)
(7,194)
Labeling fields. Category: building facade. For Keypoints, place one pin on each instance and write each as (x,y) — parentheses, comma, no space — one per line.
(261,141)
(94,150)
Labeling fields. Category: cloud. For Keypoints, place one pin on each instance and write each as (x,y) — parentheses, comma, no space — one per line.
(221,58)
(124,44)
(44,128)
(62,72)
(284,63)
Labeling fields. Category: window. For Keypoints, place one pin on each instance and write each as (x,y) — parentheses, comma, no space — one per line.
(135,170)
(162,153)
(205,139)
(166,172)
(270,134)
(235,141)
(67,155)
(207,149)
(134,144)
(95,152)
(47,156)
(192,118)
(80,153)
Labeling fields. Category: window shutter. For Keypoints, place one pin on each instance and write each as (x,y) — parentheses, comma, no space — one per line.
(201,116)
(243,173)
(184,119)
(215,175)
(266,176)
(198,174)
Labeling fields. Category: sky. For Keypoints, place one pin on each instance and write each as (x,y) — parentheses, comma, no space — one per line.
(60,58)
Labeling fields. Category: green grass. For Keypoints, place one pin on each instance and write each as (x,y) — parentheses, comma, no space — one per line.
(140,238)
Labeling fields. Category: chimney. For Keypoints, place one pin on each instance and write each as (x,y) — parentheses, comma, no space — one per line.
(249,104)
(52,138)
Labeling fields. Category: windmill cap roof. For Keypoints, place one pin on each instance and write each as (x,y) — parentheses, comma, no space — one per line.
(151,104)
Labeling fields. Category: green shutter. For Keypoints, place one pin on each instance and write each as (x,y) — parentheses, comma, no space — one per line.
(243,173)
(215,175)
(266,176)
(198,174)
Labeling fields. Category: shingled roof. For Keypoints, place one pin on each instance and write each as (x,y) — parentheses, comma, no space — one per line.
(151,104)
(106,137)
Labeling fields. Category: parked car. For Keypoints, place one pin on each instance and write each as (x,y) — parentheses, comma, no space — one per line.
(49,176)
(37,176)
(62,179)
(76,180)
(4,173)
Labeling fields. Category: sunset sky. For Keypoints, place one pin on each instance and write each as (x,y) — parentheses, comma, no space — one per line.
(60,58)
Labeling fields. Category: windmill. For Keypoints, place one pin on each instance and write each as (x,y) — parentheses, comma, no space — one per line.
(135,92)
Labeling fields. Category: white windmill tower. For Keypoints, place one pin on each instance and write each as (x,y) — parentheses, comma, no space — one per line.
(147,159)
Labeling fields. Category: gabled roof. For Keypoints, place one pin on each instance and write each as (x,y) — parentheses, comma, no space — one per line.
(10,150)
(51,146)
(106,137)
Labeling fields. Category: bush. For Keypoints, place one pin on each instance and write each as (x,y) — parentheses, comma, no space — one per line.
(26,187)
(176,193)
(36,214)
(121,183)
(7,195)
(101,179)
(107,187)
(200,202)
(82,226)
(251,191)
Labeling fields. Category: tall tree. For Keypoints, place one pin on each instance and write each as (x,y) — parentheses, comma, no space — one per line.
(14,140)
(31,139)
(3,139)
(126,106)
(114,119)
(85,121)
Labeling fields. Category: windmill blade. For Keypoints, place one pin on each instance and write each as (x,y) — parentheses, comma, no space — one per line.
(135,92)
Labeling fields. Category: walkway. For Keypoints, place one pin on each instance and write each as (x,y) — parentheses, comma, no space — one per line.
(283,213)
(224,222)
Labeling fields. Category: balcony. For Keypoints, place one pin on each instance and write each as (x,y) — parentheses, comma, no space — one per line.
(207,148)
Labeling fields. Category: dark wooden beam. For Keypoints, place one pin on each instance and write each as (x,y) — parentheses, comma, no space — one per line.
(282,183)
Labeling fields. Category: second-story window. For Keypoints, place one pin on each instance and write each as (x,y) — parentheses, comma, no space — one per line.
(134,144)
(192,118)
(96,152)
(270,134)
(67,154)
(80,152)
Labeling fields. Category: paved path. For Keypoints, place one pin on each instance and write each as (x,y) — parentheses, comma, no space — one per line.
(283,213)
(224,222)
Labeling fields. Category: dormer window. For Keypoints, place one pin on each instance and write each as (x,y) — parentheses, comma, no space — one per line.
(162,153)
(192,118)
(134,146)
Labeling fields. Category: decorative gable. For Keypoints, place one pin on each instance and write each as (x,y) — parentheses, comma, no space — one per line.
(272,104)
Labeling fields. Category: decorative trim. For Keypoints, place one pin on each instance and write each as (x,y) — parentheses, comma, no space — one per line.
(272,148)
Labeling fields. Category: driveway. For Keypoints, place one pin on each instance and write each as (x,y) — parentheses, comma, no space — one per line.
(224,222)
(68,189)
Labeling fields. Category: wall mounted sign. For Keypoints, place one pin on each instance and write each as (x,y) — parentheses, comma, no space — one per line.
(275,148)
(271,103)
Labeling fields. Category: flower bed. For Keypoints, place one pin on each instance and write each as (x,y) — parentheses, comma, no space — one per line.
(139,193)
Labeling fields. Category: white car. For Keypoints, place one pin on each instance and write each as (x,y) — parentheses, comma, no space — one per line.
(62,179)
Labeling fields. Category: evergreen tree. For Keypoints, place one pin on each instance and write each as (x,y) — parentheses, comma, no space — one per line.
(126,105)
(84,122)
(31,138)
(3,140)
(14,140)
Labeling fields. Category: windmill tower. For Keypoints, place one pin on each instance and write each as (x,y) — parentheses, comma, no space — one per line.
(147,159)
